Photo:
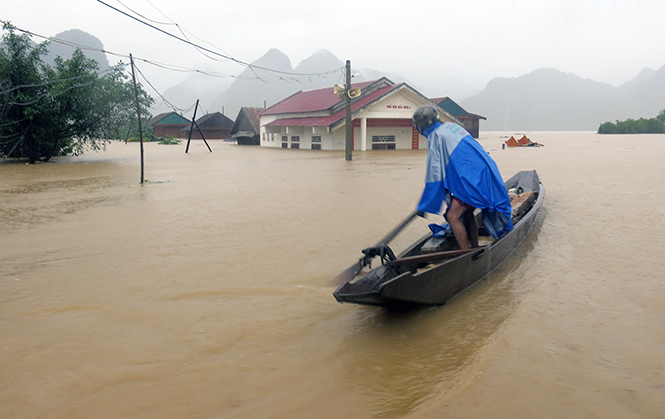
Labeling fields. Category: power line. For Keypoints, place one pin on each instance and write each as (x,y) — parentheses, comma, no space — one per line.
(49,82)
(175,108)
(13,122)
(174,23)
(216,53)
(50,94)
(169,67)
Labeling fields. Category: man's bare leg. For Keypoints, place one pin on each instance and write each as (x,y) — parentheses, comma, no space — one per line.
(454,215)
(471,227)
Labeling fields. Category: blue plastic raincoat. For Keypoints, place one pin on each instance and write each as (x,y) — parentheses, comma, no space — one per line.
(458,166)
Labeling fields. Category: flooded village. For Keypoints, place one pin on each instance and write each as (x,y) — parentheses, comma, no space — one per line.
(195,274)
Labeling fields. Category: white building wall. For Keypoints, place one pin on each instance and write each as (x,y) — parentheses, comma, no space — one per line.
(395,106)
(399,105)
(338,138)
(268,140)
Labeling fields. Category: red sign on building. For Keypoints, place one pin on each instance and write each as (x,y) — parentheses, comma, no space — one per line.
(415,139)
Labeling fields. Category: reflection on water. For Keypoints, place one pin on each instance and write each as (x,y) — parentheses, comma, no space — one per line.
(34,195)
(403,358)
(85,185)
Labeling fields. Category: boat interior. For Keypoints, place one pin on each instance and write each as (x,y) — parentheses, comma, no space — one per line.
(523,189)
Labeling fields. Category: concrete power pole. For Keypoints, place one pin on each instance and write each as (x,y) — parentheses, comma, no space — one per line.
(138,114)
(349,127)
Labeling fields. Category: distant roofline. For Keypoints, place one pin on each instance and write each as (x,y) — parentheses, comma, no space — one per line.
(322,99)
(363,102)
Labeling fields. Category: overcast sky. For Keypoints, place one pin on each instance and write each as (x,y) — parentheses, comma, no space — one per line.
(443,48)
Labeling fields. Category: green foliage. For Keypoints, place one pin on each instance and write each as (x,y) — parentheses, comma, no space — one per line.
(130,131)
(661,116)
(65,108)
(607,128)
(630,126)
(169,139)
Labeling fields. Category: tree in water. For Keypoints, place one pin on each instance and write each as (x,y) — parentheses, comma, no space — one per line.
(65,108)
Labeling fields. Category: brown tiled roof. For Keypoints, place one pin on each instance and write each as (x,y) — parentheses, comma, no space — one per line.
(253,116)
(215,119)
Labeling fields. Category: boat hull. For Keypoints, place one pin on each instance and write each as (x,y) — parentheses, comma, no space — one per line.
(437,284)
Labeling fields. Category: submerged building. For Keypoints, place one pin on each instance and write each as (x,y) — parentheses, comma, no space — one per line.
(214,126)
(316,119)
(246,127)
(470,121)
(169,123)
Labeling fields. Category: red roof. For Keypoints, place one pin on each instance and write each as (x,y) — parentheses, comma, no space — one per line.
(328,120)
(512,142)
(523,141)
(311,101)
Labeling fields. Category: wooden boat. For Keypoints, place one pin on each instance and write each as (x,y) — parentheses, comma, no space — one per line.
(434,270)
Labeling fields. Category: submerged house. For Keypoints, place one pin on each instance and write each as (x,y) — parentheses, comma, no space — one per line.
(169,123)
(246,129)
(522,142)
(215,126)
(316,119)
(470,121)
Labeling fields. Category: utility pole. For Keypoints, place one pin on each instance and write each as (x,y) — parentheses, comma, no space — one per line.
(349,127)
(194,124)
(138,114)
(191,127)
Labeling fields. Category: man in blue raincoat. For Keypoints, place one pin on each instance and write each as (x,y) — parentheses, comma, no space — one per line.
(461,173)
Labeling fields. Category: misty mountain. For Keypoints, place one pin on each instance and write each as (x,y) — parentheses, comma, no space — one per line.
(255,87)
(549,99)
(197,86)
(644,96)
(321,61)
(259,88)
(76,37)
(545,99)
(367,74)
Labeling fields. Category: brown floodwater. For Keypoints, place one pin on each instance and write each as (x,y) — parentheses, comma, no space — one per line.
(206,292)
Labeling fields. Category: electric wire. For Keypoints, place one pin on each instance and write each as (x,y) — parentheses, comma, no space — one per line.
(235,60)
(169,67)
(174,23)
(50,94)
(18,134)
(13,122)
(49,82)
(175,108)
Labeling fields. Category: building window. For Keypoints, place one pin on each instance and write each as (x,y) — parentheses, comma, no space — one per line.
(316,146)
(383,138)
(285,141)
(383,142)
(316,138)
(295,139)
(383,146)
(295,145)
(285,145)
